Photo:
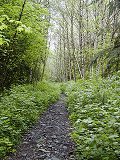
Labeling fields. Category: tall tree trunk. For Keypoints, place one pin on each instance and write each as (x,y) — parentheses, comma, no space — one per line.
(73,47)
(81,38)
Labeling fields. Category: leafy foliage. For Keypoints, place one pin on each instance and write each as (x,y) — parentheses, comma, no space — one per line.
(112,55)
(23,42)
(20,109)
(94,112)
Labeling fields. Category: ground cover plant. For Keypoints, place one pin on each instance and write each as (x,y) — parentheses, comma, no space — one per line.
(95,115)
(20,108)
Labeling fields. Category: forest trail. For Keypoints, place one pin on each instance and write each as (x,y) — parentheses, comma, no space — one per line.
(49,139)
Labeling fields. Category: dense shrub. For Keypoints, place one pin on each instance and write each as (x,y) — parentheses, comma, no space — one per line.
(21,108)
(94,112)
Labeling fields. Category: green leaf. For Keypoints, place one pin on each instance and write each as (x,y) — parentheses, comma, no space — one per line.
(3,26)
(1,41)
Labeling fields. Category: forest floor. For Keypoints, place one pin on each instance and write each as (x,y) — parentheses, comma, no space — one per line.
(49,138)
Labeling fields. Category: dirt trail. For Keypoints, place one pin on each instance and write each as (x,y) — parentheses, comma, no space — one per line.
(49,139)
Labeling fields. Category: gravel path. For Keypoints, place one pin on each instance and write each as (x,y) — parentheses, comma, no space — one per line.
(49,139)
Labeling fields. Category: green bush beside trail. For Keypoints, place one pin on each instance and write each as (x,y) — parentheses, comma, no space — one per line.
(94,107)
(20,108)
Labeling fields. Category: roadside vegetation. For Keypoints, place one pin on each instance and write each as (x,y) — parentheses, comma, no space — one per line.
(95,115)
(20,108)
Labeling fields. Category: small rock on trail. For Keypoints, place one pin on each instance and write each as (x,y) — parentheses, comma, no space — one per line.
(49,139)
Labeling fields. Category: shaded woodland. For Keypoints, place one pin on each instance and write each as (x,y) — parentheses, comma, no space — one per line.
(67,50)
(23,41)
(85,36)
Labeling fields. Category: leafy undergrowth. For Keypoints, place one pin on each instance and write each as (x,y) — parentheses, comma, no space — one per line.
(95,115)
(20,109)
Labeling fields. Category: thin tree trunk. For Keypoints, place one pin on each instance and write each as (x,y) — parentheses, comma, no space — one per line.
(73,47)
(20,16)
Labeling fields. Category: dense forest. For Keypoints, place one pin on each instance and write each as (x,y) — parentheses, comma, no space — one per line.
(68,47)
(23,41)
(87,38)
